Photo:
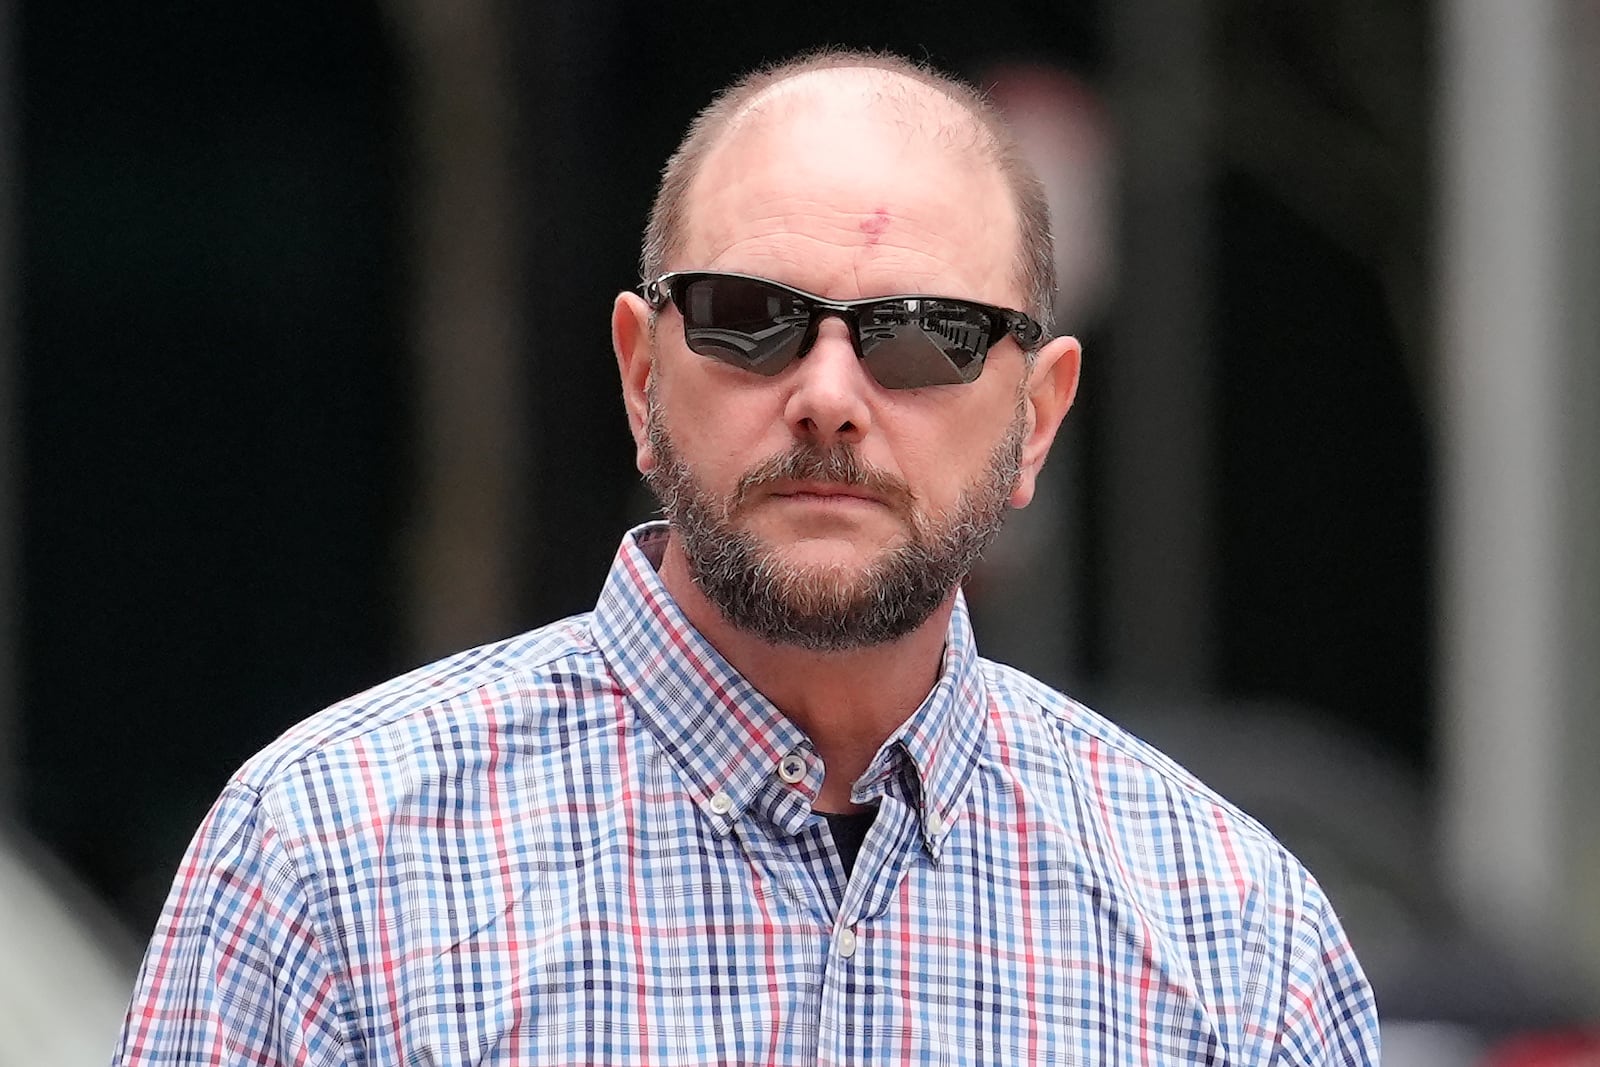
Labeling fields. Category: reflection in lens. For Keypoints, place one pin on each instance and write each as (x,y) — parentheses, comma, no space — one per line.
(911,343)
(750,325)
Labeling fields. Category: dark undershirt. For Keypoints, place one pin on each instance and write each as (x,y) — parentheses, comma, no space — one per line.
(849,830)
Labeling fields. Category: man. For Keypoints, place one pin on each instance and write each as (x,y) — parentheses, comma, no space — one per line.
(765,804)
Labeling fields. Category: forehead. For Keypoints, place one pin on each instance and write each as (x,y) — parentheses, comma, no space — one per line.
(848,188)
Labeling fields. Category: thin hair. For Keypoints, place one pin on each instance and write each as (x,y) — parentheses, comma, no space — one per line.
(1036,272)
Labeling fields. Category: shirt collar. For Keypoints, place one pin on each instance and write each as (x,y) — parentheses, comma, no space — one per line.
(938,746)
(728,742)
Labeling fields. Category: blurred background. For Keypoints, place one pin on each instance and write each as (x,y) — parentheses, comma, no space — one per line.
(305,379)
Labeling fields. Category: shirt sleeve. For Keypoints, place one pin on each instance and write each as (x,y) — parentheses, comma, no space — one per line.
(1330,1019)
(236,972)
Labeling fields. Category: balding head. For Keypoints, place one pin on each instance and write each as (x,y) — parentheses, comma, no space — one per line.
(924,104)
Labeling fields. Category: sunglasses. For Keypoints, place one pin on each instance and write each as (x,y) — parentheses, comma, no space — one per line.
(905,342)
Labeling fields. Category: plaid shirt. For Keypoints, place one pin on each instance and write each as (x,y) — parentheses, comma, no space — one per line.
(595,844)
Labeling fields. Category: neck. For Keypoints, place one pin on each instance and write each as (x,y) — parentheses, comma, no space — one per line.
(848,702)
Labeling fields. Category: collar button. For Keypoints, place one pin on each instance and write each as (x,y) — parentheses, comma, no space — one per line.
(792,768)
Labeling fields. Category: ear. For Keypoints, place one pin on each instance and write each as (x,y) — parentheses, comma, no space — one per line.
(631,340)
(1052,384)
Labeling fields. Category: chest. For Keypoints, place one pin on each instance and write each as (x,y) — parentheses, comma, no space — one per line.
(649,945)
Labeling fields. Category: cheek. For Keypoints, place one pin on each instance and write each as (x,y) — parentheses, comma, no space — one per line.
(939,432)
(725,399)
(719,435)
(942,449)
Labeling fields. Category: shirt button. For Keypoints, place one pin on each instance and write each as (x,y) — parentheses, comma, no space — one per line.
(792,768)
(847,943)
(721,804)
(934,824)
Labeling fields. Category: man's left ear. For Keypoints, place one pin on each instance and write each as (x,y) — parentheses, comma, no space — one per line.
(1052,384)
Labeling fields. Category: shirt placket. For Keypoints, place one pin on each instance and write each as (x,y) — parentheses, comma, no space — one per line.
(786,840)
(861,968)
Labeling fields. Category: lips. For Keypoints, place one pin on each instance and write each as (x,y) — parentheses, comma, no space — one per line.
(825,489)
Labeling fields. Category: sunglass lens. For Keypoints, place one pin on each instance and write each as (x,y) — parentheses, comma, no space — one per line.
(743,322)
(917,342)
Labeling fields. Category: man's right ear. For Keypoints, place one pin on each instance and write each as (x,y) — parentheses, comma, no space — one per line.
(635,349)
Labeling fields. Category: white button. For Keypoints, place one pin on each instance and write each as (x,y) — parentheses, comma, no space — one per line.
(792,768)
(722,803)
(934,824)
(847,943)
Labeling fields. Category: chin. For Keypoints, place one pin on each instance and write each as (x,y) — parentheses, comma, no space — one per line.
(832,555)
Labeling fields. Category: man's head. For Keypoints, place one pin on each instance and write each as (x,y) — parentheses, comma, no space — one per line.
(819,501)
(976,122)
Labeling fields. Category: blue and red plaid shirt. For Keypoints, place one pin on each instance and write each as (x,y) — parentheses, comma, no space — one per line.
(594,844)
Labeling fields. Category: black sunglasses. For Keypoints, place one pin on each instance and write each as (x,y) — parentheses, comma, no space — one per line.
(906,342)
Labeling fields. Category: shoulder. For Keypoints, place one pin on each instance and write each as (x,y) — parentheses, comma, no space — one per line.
(1118,771)
(456,711)
(1203,880)
(1147,829)
(443,776)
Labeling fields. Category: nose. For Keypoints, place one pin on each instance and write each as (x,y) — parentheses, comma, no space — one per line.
(831,398)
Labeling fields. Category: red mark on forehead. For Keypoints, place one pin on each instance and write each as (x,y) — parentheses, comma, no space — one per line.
(874,225)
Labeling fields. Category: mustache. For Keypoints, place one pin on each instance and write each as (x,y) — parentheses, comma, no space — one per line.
(839,464)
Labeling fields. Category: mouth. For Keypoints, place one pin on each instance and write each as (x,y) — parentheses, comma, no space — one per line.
(827,492)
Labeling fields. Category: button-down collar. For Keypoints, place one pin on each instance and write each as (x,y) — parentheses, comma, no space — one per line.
(728,741)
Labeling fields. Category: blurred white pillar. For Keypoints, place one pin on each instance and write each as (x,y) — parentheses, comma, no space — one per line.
(67,968)
(1519,275)
(1158,531)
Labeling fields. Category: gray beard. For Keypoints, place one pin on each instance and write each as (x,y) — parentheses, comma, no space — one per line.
(826,610)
